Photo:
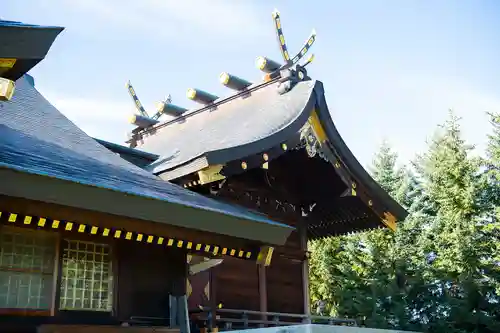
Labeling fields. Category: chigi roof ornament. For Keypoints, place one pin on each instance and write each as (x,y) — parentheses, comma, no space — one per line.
(143,120)
(272,146)
(291,71)
(284,75)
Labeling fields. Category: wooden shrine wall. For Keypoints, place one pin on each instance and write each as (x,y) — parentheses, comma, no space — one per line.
(147,275)
(95,280)
(284,286)
(284,279)
(237,284)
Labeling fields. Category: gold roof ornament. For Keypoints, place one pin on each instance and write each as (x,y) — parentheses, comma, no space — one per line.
(7,88)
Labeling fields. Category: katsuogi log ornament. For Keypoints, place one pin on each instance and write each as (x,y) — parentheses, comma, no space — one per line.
(234,82)
(201,96)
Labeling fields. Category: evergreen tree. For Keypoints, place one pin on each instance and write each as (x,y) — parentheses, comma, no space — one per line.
(450,181)
(383,169)
(492,170)
(489,229)
(363,276)
(440,271)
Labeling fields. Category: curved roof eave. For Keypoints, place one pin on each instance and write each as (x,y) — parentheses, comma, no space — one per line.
(285,133)
(315,101)
(290,112)
(355,168)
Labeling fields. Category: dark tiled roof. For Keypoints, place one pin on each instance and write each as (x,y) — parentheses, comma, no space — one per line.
(134,156)
(238,123)
(248,125)
(37,139)
(19,24)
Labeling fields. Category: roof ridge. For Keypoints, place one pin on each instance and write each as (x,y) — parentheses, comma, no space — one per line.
(291,70)
(209,107)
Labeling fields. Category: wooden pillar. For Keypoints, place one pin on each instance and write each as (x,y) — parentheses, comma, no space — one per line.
(305,268)
(262,290)
(213,300)
(56,281)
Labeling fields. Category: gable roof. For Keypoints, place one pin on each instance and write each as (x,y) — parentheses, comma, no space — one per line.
(233,130)
(45,157)
(249,123)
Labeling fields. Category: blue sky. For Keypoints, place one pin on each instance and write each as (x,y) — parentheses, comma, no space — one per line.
(391,69)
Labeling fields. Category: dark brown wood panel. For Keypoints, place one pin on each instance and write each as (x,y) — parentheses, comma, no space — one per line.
(238,284)
(147,275)
(284,286)
(293,240)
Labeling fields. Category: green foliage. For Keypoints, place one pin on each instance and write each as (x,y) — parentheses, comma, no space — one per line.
(440,271)
(491,176)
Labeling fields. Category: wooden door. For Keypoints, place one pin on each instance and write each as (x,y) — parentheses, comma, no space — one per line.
(148,274)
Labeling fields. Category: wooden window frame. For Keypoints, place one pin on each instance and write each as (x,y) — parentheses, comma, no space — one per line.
(55,297)
(32,312)
(113,261)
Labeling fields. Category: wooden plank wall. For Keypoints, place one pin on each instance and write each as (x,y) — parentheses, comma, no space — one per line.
(237,284)
(284,286)
(146,277)
(284,279)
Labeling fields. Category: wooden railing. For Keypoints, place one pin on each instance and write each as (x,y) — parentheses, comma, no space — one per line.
(103,329)
(230,319)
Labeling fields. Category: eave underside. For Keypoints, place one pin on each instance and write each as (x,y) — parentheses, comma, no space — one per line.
(298,190)
(27,44)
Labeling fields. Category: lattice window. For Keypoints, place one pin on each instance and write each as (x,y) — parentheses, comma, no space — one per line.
(86,280)
(26,268)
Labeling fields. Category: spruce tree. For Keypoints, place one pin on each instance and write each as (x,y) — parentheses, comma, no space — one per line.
(451,181)
(383,168)
(492,170)
(489,229)
(363,276)
(440,271)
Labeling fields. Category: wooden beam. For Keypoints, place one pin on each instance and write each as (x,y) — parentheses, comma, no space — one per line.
(213,299)
(56,279)
(305,269)
(105,220)
(262,290)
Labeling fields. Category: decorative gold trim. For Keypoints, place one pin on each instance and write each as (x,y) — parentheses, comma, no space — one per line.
(317,128)
(7,62)
(14,219)
(390,221)
(265,255)
(7,88)
(210,174)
